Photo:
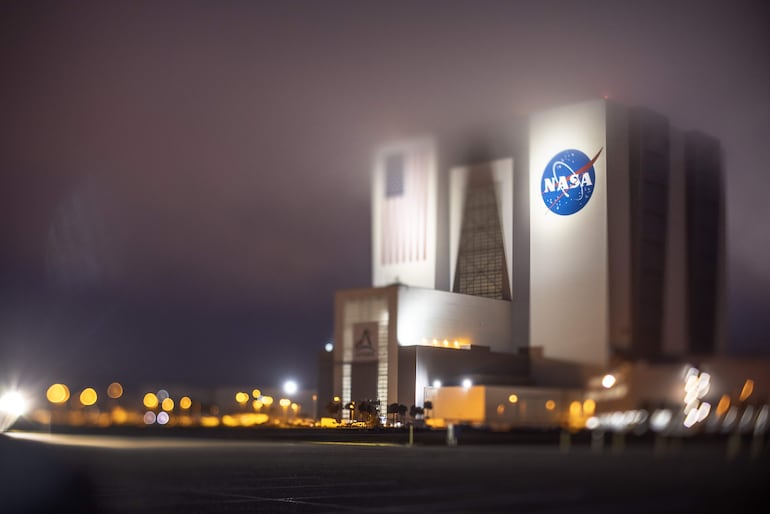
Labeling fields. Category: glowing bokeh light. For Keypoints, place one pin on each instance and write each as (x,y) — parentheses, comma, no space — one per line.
(267,400)
(284,402)
(209,421)
(88,396)
(513,398)
(58,393)
(241,397)
(608,381)
(660,419)
(115,390)
(550,404)
(230,421)
(119,415)
(467,383)
(167,404)
(162,394)
(13,403)
(256,393)
(185,402)
(290,387)
(256,404)
(437,383)
(149,417)
(748,388)
(329,347)
(163,417)
(589,407)
(150,401)
(723,405)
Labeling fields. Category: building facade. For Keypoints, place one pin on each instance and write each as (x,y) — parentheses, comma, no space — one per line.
(551,247)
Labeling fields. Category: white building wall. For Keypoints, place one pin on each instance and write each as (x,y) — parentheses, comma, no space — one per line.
(404,224)
(568,253)
(426,314)
(364,306)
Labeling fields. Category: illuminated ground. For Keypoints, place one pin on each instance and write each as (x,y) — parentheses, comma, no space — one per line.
(160,475)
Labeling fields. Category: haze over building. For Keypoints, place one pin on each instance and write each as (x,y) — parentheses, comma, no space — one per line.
(542,253)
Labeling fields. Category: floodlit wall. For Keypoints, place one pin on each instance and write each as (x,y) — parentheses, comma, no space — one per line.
(426,314)
(504,408)
(568,233)
(458,404)
(365,350)
(404,204)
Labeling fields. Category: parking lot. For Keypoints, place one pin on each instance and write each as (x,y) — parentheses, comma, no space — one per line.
(120,474)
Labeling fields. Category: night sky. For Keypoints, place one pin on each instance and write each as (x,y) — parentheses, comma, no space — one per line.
(185,184)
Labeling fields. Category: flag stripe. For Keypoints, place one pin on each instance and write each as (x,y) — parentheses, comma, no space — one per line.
(404,216)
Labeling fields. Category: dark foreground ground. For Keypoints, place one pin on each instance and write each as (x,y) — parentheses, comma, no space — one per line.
(147,473)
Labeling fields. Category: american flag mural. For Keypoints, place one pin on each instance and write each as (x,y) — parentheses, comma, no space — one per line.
(405,207)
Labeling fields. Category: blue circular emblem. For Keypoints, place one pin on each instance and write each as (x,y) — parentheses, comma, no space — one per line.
(568,181)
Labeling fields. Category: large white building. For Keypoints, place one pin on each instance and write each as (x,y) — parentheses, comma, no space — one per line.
(538,254)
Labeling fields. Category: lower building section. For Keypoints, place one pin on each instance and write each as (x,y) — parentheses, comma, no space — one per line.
(390,340)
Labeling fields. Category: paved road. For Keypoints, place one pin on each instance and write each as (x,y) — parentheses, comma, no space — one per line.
(59,473)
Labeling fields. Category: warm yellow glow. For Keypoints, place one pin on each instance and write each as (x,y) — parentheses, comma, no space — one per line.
(284,402)
(252,419)
(230,421)
(337,399)
(88,396)
(294,407)
(329,423)
(241,397)
(58,393)
(257,404)
(115,390)
(119,415)
(209,421)
(267,400)
(256,393)
(150,400)
(723,405)
(184,421)
(550,405)
(167,405)
(185,402)
(41,416)
(589,407)
(103,420)
(575,409)
(76,418)
(748,388)
(500,409)
(513,398)
(446,343)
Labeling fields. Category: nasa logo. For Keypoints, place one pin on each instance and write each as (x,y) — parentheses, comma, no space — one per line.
(568,181)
